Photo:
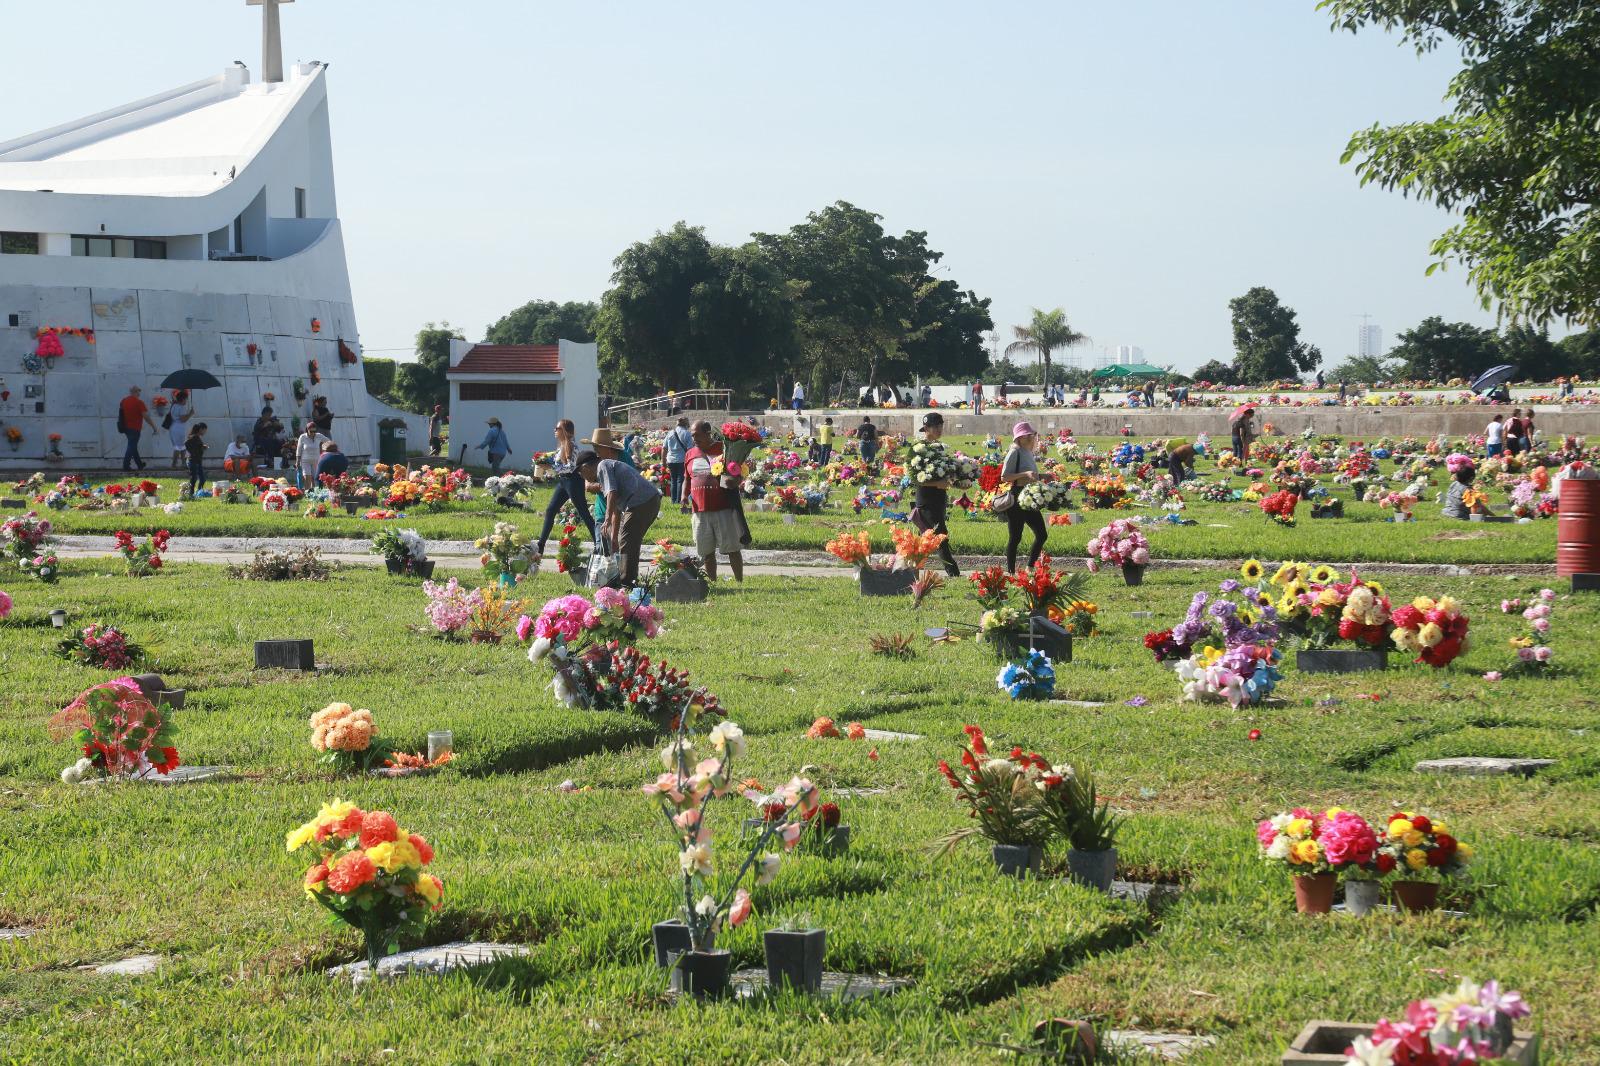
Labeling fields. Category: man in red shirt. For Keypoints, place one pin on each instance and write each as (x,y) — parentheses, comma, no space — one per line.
(717,522)
(130,413)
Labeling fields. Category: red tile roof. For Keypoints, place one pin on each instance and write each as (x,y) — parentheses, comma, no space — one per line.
(509,359)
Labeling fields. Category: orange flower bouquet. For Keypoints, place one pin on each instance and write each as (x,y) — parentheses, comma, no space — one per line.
(912,548)
(347,738)
(369,874)
(855,549)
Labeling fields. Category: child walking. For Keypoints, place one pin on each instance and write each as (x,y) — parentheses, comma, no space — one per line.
(195,446)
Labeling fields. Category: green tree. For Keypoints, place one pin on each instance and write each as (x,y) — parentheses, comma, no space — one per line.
(1518,156)
(1044,333)
(1216,372)
(1266,340)
(1533,353)
(1436,350)
(545,322)
(683,312)
(379,375)
(421,384)
(866,302)
(1363,370)
(1582,352)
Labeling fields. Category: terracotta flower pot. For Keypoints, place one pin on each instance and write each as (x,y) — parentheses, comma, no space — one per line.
(1313,893)
(1417,896)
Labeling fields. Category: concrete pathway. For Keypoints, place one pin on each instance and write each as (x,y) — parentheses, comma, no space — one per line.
(460,554)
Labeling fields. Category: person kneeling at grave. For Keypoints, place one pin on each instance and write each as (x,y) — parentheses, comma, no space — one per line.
(717,521)
(236,460)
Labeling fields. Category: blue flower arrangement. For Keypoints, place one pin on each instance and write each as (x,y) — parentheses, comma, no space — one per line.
(1029,678)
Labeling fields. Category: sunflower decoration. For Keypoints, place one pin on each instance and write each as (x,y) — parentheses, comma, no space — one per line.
(1252,570)
(1289,605)
(1296,588)
(1288,572)
(1324,574)
(1377,589)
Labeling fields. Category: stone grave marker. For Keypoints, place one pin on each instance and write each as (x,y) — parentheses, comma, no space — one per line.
(18,932)
(847,986)
(137,966)
(890,734)
(1152,894)
(1167,1047)
(1479,766)
(156,691)
(285,655)
(446,958)
(13,504)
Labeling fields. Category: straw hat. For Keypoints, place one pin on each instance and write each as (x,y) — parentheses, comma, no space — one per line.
(602,438)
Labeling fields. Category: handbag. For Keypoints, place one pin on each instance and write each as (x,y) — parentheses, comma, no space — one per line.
(604,569)
(1003,502)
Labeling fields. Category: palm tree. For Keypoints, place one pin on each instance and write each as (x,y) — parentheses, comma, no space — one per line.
(1047,332)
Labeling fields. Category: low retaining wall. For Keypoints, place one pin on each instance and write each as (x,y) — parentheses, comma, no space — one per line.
(1362,423)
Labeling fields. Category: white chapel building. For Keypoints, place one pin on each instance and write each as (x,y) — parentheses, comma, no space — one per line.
(196,228)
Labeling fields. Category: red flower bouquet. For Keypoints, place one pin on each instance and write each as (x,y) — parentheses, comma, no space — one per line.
(1434,630)
(120,731)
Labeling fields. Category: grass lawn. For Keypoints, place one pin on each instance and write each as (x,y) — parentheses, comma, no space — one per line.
(1221,531)
(198,874)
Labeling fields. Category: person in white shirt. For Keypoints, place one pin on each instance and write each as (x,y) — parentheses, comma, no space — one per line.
(1494,437)
(307,453)
(799,397)
(236,460)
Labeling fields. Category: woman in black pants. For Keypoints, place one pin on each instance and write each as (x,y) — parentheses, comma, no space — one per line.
(1019,469)
(569,485)
(933,500)
(195,446)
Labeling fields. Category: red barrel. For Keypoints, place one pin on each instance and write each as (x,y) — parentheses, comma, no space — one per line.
(1578,527)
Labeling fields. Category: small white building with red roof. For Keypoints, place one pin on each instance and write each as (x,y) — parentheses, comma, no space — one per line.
(528,387)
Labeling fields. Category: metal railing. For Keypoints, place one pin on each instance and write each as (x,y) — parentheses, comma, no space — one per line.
(661,406)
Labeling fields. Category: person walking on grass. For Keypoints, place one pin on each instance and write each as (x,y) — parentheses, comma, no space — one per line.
(676,447)
(933,499)
(798,397)
(132,416)
(194,446)
(569,484)
(825,442)
(1494,438)
(867,439)
(717,521)
(631,503)
(436,430)
(1020,468)
(496,445)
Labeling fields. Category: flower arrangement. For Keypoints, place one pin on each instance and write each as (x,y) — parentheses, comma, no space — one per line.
(379,514)
(120,732)
(1314,842)
(144,559)
(495,615)
(318,509)
(1280,506)
(1471,1024)
(506,553)
(671,559)
(44,566)
(100,645)
(24,536)
(1322,609)
(1533,655)
(1105,493)
(1031,677)
(567,555)
(403,547)
(347,738)
(1004,796)
(1398,502)
(991,586)
(507,487)
(1044,496)
(274,500)
(450,607)
(1122,543)
(369,873)
(854,549)
(684,795)
(912,547)
(1420,845)
(930,461)
(1434,630)
(739,439)
(1241,674)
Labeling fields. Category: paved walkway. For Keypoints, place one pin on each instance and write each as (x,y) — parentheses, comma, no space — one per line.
(461,555)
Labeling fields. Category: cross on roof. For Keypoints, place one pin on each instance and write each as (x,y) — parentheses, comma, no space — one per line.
(271,39)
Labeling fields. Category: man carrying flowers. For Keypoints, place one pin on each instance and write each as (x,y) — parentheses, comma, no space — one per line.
(933,496)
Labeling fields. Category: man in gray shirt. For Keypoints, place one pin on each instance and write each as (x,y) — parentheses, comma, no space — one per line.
(632,503)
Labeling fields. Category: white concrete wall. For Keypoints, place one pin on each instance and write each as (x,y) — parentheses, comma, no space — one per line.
(530,426)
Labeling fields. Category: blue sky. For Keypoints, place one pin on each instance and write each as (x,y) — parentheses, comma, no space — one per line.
(1138,163)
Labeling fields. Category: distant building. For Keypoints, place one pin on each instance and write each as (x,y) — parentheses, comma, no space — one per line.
(528,387)
(1369,341)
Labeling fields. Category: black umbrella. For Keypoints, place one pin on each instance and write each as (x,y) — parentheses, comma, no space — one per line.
(190,379)
(1497,375)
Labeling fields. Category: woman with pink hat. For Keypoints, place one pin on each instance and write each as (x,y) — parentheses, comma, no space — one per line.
(1019,469)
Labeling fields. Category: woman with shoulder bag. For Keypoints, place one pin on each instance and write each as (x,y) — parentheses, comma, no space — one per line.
(1020,468)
